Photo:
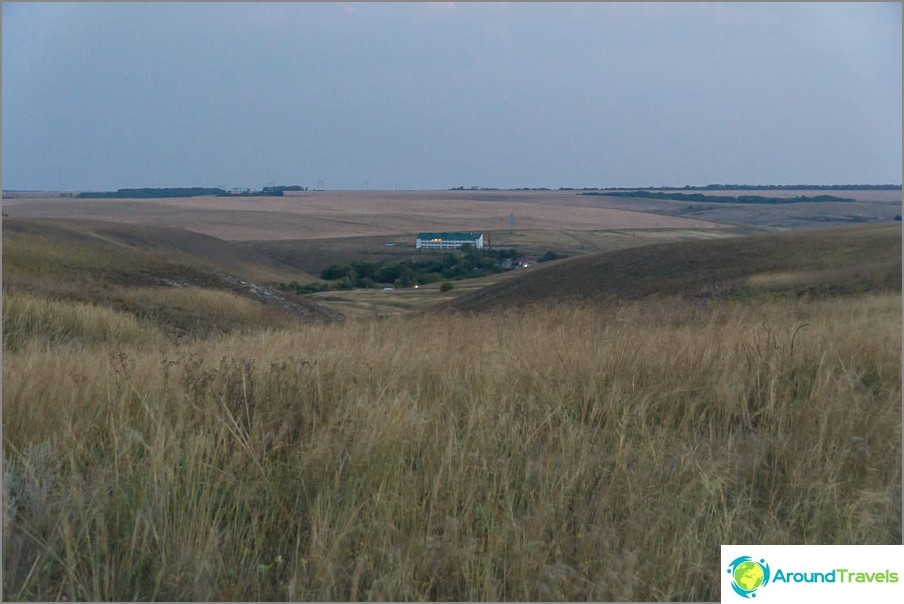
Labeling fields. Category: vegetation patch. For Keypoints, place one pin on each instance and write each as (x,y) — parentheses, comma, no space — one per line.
(821,262)
(429,267)
(32,319)
(152,193)
(757,199)
(173,192)
(564,453)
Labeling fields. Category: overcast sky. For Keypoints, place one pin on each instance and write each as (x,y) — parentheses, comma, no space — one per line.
(436,95)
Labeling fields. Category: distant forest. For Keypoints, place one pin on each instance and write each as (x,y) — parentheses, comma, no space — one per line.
(152,193)
(763,188)
(700,197)
(277,191)
(703,188)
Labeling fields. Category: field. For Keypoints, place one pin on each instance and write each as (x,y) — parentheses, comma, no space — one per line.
(331,214)
(341,214)
(593,428)
(870,206)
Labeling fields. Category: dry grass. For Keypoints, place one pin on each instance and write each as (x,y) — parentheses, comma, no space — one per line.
(838,261)
(565,453)
(58,248)
(30,319)
(198,311)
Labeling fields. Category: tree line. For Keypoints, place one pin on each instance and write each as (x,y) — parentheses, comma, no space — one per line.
(164,192)
(700,197)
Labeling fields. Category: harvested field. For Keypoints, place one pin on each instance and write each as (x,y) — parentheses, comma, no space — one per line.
(870,206)
(327,214)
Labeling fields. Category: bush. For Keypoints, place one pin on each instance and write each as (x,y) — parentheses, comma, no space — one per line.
(337,271)
(445,287)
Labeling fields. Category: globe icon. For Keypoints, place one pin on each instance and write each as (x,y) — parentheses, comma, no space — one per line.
(748,575)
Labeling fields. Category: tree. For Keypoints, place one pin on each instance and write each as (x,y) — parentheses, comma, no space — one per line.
(337,271)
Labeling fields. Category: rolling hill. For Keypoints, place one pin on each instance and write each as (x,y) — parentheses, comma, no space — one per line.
(180,281)
(144,244)
(824,261)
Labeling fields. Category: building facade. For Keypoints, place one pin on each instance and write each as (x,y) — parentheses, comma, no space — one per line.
(448,241)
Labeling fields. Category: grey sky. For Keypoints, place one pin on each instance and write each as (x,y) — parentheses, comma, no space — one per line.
(102,96)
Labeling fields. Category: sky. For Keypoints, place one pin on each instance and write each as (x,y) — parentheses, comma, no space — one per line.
(101,96)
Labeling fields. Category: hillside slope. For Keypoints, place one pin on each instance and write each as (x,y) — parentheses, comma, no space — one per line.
(182,282)
(150,243)
(824,261)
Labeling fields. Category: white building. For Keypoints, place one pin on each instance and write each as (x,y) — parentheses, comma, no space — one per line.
(448,241)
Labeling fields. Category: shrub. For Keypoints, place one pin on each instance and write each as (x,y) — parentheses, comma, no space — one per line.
(445,286)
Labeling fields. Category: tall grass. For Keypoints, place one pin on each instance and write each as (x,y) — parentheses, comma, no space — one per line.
(573,452)
(198,311)
(28,318)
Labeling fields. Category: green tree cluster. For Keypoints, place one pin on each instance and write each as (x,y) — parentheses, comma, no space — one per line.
(466,263)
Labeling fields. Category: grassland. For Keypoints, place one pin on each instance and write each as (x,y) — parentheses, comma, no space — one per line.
(184,283)
(841,260)
(595,448)
(572,454)
(41,245)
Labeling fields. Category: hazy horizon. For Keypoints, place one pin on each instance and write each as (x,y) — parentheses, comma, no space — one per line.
(103,96)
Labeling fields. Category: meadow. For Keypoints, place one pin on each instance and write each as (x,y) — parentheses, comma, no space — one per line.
(189,442)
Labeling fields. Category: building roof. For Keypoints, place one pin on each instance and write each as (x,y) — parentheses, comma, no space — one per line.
(452,236)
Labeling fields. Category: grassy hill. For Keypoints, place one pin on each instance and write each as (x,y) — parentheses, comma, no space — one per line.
(65,278)
(129,246)
(824,261)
